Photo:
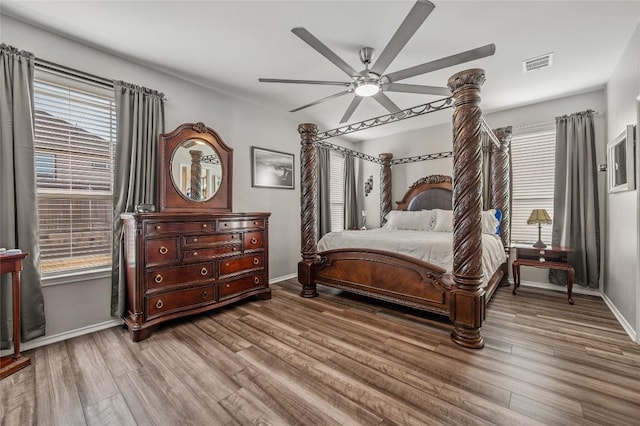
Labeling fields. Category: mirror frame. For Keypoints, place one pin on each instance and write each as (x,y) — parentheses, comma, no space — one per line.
(171,199)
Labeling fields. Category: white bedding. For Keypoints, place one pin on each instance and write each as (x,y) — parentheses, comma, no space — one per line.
(432,247)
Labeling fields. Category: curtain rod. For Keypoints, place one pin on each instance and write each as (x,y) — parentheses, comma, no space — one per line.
(547,123)
(75,73)
(51,66)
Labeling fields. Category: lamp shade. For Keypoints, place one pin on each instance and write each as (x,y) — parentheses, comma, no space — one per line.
(539,216)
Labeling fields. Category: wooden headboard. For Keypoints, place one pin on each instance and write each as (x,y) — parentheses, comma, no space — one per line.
(430,192)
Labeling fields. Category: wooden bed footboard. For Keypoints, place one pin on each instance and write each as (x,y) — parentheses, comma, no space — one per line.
(387,276)
(392,277)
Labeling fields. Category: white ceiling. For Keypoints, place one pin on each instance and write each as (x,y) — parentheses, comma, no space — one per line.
(228,45)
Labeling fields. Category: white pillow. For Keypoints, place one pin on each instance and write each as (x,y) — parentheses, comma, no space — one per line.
(444,221)
(489,222)
(432,219)
(416,221)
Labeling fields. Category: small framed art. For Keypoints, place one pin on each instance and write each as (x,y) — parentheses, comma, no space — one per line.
(621,161)
(272,169)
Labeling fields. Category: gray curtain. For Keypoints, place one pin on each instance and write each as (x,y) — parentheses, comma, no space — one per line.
(324,196)
(486,170)
(350,196)
(140,118)
(575,205)
(18,207)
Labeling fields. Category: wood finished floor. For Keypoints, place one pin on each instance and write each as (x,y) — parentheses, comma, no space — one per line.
(344,360)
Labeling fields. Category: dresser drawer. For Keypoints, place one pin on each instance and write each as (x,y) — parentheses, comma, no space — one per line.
(205,253)
(179,275)
(242,285)
(253,240)
(155,228)
(205,240)
(161,251)
(241,224)
(240,264)
(179,300)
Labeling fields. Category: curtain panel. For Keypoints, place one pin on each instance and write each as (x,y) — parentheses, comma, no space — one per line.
(575,204)
(140,118)
(18,208)
(351,216)
(487,150)
(324,191)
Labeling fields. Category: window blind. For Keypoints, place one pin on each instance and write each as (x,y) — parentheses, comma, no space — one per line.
(336,196)
(75,134)
(533,169)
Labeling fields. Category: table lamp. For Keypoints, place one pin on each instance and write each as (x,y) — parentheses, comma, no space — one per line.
(539,216)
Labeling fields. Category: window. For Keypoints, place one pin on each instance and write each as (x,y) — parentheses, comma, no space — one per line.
(336,191)
(533,169)
(75,146)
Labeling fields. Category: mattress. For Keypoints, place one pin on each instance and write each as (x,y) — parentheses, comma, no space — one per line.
(432,247)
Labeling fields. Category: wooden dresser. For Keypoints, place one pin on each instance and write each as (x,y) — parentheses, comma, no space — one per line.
(180,264)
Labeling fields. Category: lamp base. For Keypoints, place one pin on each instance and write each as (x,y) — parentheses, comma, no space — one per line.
(540,244)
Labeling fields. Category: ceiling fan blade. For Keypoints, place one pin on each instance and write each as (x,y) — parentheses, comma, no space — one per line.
(335,95)
(446,62)
(386,102)
(281,80)
(416,88)
(417,15)
(352,107)
(309,38)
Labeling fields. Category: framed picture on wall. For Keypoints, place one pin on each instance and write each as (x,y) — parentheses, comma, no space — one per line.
(272,169)
(621,161)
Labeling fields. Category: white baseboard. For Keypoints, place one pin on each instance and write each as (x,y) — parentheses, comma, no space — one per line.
(623,322)
(282,278)
(548,286)
(591,292)
(47,340)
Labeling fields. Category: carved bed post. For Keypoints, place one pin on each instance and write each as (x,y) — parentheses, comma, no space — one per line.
(308,219)
(385,185)
(467,295)
(501,181)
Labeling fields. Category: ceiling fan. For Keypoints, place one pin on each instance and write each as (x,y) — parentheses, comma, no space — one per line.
(372,81)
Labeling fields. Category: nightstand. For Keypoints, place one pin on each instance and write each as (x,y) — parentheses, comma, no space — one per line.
(551,257)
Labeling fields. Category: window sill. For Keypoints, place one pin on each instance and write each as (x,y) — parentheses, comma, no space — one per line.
(72,277)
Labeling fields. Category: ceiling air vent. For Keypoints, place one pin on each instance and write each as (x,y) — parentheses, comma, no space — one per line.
(537,63)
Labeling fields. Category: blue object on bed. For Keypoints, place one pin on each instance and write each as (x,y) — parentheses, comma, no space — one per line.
(499,217)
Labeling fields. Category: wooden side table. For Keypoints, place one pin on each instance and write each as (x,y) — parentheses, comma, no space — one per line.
(551,257)
(11,363)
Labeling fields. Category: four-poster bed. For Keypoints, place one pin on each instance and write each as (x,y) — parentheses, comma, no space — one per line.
(460,293)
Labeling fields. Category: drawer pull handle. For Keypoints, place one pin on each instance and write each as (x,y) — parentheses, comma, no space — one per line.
(164,250)
(195,240)
(157,227)
(226,224)
(256,260)
(254,240)
(204,272)
(195,253)
(204,225)
(159,304)
(256,280)
(255,223)
(228,285)
(158,278)
(226,264)
(204,294)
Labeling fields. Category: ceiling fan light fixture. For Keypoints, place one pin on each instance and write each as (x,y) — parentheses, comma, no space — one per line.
(367,88)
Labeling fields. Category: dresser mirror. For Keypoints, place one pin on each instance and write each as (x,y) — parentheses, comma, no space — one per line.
(194,170)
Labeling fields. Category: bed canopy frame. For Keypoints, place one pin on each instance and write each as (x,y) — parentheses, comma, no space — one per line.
(460,296)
